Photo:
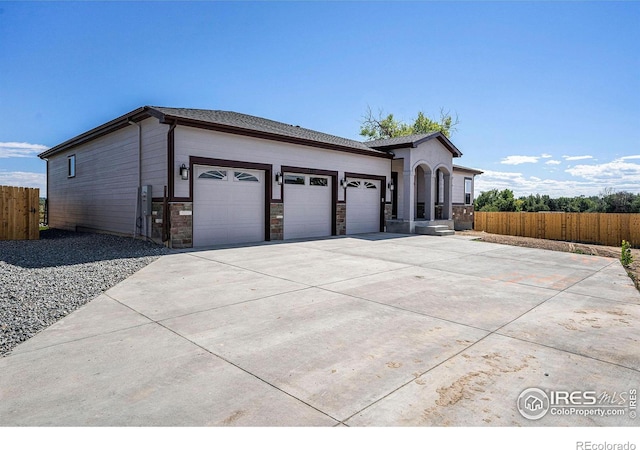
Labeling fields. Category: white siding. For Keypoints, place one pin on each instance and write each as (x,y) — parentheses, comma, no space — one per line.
(458,185)
(154,155)
(213,144)
(103,194)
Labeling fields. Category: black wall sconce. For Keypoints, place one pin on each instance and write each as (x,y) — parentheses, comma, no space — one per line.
(279,178)
(184,172)
(391,186)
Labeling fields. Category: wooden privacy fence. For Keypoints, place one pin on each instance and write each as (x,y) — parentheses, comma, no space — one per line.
(591,228)
(19,213)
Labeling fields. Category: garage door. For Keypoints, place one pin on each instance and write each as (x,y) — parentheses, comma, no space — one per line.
(307,205)
(363,206)
(228,206)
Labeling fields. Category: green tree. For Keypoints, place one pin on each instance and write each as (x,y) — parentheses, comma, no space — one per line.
(494,200)
(535,203)
(387,126)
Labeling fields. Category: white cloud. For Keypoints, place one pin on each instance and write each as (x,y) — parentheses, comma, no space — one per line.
(514,160)
(553,162)
(25,179)
(617,173)
(545,155)
(20,149)
(576,158)
(591,180)
(624,158)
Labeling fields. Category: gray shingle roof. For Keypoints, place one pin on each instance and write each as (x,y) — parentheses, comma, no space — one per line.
(258,124)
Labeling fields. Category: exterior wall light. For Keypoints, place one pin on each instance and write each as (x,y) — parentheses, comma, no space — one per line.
(343,183)
(184,172)
(279,178)
(391,186)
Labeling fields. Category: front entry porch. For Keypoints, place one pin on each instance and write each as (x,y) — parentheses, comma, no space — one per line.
(418,226)
(424,199)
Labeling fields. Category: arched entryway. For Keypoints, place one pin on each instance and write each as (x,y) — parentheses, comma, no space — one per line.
(442,196)
(432,194)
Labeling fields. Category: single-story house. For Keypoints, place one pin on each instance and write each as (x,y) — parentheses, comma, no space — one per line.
(192,177)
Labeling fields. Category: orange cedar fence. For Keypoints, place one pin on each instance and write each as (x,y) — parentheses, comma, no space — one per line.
(19,213)
(591,228)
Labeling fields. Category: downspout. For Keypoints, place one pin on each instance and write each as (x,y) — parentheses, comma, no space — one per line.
(393,156)
(137,209)
(169,189)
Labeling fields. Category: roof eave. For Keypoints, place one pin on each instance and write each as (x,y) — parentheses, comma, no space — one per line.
(441,137)
(468,169)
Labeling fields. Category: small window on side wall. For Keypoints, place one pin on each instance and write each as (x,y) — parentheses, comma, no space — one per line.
(71,166)
(467,191)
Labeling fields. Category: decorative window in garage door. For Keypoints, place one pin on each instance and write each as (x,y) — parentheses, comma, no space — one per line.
(245,176)
(318,181)
(294,179)
(362,185)
(214,174)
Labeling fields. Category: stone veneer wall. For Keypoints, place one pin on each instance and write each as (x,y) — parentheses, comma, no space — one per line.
(181,220)
(388,213)
(341,219)
(276,221)
(463,217)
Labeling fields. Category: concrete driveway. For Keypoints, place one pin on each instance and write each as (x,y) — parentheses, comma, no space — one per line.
(370,330)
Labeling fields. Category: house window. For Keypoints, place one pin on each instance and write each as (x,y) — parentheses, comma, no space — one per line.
(317,181)
(467,191)
(244,176)
(353,184)
(368,185)
(294,179)
(71,166)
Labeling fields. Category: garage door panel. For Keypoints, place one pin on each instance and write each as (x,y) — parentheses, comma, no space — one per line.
(307,207)
(228,206)
(363,206)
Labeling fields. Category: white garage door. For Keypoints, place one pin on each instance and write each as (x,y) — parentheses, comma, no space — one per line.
(307,206)
(363,206)
(228,205)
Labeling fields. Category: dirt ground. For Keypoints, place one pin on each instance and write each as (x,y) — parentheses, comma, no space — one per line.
(562,246)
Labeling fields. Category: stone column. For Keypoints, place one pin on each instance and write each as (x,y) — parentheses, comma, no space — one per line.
(341,219)
(276,224)
(181,220)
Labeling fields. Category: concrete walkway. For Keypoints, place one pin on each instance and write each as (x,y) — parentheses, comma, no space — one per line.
(370,330)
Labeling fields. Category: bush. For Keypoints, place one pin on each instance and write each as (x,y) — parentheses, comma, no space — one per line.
(625,254)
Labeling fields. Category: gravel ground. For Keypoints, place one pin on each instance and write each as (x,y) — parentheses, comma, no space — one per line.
(43,281)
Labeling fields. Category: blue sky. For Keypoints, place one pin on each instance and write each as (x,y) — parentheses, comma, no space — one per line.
(547,93)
